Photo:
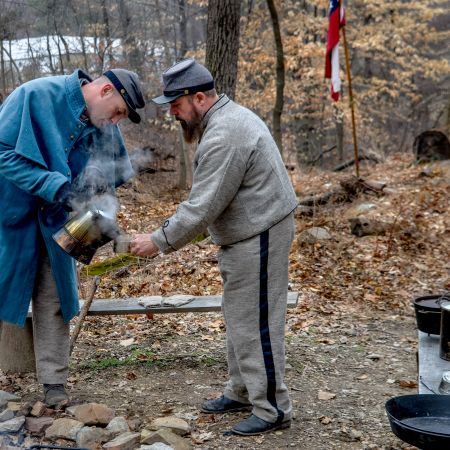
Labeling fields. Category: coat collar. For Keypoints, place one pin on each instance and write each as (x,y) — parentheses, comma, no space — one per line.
(223,100)
(75,94)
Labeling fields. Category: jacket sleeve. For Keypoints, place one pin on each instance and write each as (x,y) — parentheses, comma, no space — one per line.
(216,180)
(21,161)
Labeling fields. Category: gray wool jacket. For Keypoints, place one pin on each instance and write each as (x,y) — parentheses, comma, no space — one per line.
(240,185)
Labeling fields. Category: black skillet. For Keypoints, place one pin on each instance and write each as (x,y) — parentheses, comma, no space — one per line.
(422,420)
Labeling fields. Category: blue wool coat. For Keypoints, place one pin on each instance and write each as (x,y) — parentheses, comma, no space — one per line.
(43,145)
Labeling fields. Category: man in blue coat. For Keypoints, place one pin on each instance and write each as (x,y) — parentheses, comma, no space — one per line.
(52,130)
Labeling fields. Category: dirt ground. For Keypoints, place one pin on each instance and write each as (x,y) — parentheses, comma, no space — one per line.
(361,360)
(350,342)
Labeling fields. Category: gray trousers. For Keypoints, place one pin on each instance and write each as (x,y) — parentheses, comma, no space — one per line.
(50,333)
(255,277)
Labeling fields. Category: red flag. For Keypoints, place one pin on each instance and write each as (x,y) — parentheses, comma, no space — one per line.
(336,21)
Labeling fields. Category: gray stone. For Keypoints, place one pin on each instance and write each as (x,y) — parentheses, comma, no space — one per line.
(118,425)
(64,428)
(37,425)
(12,425)
(6,397)
(125,441)
(175,424)
(92,437)
(166,436)
(5,415)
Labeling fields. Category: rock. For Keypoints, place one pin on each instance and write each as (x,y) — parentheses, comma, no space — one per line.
(357,210)
(38,409)
(37,425)
(92,437)
(12,425)
(167,437)
(156,446)
(177,425)
(6,397)
(118,425)
(125,441)
(93,414)
(71,410)
(5,415)
(134,423)
(64,428)
(15,407)
(312,235)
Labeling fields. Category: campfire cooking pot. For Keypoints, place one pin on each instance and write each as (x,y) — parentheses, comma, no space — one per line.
(84,233)
(422,420)
(428,313)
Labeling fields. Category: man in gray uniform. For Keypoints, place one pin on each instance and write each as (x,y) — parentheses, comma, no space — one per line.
(242,194)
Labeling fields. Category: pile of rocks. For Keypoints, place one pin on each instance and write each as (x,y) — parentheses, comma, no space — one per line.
(92,426)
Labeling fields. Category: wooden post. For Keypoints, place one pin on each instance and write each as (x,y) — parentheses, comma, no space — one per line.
(16,348)
(350,93)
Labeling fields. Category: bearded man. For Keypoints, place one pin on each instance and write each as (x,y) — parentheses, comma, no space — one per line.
(242,194)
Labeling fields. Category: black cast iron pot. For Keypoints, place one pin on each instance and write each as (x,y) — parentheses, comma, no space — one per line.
(428,313)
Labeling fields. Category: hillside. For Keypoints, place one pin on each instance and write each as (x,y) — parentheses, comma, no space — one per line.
(351,341)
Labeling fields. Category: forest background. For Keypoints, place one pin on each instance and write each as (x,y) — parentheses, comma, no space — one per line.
(400,63)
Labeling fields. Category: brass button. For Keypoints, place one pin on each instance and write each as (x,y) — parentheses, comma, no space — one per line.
(79,125)
(66,149)
(72,137)
(68,173)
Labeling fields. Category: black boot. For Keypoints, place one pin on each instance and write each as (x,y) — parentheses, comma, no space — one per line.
(223,405)
(55,394)
(254,425)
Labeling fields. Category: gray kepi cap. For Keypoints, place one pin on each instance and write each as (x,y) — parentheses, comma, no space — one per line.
(184,78)
(127,84)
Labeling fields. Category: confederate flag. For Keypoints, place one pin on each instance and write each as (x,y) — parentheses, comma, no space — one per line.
(336,21)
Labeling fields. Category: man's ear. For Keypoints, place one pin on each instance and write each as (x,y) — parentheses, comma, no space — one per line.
(200,97)
(107,89)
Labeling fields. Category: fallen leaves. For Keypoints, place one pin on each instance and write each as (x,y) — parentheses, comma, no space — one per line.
(325,395)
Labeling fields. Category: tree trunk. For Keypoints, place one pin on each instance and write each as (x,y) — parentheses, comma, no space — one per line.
(222,43)
(107,35)
(279,100)
(16,348)
(183,28)
(2,65)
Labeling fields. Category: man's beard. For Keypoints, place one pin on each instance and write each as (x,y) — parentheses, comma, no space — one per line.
(192,129)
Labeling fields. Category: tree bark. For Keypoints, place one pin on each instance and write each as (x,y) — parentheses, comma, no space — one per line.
(222,43)
(279,100)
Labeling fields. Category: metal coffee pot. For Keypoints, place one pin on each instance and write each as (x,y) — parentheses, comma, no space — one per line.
(86,232)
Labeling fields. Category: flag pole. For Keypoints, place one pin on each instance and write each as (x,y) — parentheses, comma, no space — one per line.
(350,93)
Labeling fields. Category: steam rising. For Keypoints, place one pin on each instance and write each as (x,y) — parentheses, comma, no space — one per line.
(108,166)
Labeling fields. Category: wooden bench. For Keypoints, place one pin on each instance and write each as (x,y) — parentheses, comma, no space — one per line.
(19,341)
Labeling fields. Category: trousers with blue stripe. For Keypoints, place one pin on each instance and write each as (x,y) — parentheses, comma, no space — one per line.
(255,277)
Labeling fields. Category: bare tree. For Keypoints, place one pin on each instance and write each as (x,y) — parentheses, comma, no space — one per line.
(279,100)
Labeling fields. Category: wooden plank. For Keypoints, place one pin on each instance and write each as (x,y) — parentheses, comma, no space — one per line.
(208,303)
(124,306)
(431,365)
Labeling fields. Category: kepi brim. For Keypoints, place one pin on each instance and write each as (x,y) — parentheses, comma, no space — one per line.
(162,99)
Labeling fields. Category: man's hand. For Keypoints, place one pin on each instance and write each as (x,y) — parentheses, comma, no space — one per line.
(142,245)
